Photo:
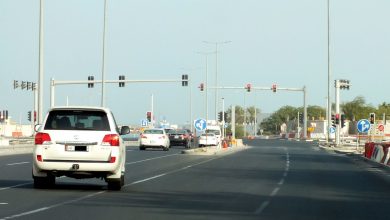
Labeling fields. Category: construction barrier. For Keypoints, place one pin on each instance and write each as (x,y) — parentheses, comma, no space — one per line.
(378,152)
(368,149)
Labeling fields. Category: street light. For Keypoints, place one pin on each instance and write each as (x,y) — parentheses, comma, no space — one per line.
(103,54)
(216,70)
(40,68)
(206,84)
(328,110)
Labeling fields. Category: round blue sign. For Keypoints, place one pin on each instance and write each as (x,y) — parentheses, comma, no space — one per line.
(200,124)
(363,126)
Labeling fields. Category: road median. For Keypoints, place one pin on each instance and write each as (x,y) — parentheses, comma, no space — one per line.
(16,149)
(214,150)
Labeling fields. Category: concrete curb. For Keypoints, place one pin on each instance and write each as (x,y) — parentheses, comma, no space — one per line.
(213,150)
(355,153)
(16,149)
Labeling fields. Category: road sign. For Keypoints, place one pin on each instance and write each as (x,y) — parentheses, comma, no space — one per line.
(363,125)
(332,130)
(200,124)
(381,127)
(144,123)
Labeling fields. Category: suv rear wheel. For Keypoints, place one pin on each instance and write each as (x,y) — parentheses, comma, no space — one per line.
(44,182)
(116,184)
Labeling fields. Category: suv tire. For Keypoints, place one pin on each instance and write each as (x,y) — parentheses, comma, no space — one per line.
(116,184)
(44,182)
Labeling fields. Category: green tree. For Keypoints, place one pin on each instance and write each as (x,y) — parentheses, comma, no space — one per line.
(272,123)
(357,109)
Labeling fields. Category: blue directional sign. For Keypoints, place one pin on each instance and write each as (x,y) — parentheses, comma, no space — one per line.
(363,126)
(144,123)
(332,130)
(200,124)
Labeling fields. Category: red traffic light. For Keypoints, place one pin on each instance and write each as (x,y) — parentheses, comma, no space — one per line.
(248,87)
(273,88)
(201,87)
(149,116)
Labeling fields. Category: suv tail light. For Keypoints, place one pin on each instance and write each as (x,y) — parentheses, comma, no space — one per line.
(111,140)
(42,138)
(143,136)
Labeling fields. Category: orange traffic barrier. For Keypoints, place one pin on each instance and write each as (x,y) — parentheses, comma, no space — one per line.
(224,144)
(368,149)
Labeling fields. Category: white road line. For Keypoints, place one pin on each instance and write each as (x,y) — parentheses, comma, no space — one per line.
(14,186)
(276,190)
(52,206)
(153,158)
(12,164)
(147,179)
(101,192)
(3,203)
(262,207)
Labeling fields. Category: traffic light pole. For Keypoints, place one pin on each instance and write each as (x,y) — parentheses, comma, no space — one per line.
(54,83)
(337,97)
(284,89)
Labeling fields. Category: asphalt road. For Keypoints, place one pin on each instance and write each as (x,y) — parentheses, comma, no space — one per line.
(272,179)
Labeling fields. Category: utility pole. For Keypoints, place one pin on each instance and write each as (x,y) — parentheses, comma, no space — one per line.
(40,66)
(339,84)
(216,71)
(103,55)
(329,109)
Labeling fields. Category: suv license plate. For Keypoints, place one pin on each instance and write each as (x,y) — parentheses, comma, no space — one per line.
(75,148)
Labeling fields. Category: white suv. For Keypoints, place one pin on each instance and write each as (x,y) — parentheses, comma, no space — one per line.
(79,142)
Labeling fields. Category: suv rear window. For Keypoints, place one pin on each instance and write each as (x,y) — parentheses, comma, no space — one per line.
(77,120)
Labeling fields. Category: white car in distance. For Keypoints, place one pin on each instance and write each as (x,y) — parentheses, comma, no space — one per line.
(79,142)
(154,138)
(208,139)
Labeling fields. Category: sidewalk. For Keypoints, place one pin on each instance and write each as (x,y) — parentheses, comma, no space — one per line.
(347,149)
(356,152)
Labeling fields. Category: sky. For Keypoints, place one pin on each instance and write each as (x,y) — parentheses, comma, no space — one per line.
(282,42)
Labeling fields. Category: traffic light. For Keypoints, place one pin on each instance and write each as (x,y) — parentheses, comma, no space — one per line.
(149,116)
(342,120)
(16,84)
(90,78)
(219,116)
(301,118)
(337,119)
(121,84)
(24,85)
(184,80)
(248,87)
(372,118)
(273,88)
(29,115)
(333,120)
(201,87)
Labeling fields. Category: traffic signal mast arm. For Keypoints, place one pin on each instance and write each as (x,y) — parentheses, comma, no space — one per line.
(67,82)
(257,88)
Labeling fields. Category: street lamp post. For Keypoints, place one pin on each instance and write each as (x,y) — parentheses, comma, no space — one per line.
(216,71)
(103,54)
(206,86)
(40,68)
(329,76)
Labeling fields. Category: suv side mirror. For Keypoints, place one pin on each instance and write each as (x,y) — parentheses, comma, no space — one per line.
(125,130)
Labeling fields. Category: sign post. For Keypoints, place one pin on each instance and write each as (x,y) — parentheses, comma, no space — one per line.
(363,126)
